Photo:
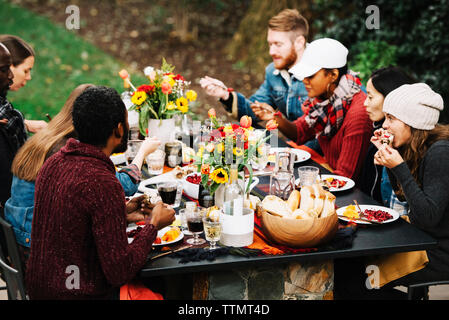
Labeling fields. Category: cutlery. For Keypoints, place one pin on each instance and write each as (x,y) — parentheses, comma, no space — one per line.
(169,252)
(362,215)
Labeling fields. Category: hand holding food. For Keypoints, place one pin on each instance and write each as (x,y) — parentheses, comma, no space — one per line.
(263,110)
(162,215)
(388,157)
(382,137)
(138,209)
(214,87)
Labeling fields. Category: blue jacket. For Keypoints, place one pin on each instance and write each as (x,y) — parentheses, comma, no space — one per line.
(281,91)
(19,208)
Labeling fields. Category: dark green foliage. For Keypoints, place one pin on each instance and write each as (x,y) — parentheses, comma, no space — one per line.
(412,35)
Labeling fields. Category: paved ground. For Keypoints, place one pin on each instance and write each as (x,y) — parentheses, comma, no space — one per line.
(436,293)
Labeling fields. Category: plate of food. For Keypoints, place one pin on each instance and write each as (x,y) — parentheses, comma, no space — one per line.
(165,236)
(301,155)
(336,183)
(377,214)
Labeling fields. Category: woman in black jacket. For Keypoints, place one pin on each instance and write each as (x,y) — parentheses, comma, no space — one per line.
(381,83)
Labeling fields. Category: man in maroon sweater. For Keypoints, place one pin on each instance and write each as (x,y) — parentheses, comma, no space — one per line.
(80,248)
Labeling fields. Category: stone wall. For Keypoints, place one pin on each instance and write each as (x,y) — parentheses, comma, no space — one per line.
(294,281)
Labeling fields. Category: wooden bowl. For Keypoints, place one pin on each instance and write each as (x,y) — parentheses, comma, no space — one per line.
(299,233)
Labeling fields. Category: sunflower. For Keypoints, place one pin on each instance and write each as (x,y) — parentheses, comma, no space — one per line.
(139,97)
(182,104)
(219,175)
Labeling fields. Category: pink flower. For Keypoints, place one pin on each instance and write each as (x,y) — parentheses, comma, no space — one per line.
(245,122)
(166,87)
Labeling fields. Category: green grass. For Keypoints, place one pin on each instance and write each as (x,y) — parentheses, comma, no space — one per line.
(63,61)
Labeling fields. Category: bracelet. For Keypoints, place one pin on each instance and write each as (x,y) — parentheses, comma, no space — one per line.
(230,90)
(278,114)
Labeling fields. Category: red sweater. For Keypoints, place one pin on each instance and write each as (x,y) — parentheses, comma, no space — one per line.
(79,224)
(346,150)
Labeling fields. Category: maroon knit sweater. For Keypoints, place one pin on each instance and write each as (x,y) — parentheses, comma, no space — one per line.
(79,223)
(346,150)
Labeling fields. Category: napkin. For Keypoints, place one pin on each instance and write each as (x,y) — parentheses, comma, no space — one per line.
(398,265)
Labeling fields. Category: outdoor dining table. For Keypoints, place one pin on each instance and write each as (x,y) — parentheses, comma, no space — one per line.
(305,275)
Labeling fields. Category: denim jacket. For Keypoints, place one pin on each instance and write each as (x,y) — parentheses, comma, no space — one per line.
(281,91)
(19,208)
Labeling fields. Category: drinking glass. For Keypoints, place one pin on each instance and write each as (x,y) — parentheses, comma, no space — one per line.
(168,191)
(261,159)
(195,225)
(308,175)
(212,231)
(155,162)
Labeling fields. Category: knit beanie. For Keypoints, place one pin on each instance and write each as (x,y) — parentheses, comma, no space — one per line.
(417,105)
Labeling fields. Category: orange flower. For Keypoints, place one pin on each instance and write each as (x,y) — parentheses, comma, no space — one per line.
(271,125)
(212,113)
(166,87)
(246,121)
(205,169)
(123,74)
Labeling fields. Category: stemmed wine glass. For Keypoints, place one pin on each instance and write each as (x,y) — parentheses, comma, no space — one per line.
(195,226)
(212,228)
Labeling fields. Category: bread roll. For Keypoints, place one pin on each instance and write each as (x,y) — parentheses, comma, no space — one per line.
(329,205)
(293,200)
(300,214)
(307,201)
(276,206)
(320,196)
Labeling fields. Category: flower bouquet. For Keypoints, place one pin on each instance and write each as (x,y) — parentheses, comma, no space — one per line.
(163,97)
(226,145)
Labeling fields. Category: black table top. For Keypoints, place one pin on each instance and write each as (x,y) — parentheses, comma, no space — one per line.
(397,236)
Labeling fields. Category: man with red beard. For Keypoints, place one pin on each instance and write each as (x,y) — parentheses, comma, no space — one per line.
(287,38)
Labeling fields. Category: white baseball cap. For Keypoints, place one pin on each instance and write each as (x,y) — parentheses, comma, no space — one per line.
(322,53)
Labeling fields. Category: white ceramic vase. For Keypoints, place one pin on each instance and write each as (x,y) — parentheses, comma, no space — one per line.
(163,129)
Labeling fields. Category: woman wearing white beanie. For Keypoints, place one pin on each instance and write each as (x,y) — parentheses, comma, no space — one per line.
(418,159)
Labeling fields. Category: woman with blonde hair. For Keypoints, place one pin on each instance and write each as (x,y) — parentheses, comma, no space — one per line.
(32,155)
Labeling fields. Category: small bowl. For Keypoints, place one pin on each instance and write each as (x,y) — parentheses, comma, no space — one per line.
(191,189)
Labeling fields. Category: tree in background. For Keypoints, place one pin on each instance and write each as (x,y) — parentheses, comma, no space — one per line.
(411,34)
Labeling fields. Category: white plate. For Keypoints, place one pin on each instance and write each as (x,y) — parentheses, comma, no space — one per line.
(160,234)
(363,207)
(301,155)
(349,182)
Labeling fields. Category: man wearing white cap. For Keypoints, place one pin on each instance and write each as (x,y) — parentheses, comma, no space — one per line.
(418,160)
(333,112)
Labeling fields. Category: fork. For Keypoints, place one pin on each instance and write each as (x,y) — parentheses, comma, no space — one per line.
(362,215)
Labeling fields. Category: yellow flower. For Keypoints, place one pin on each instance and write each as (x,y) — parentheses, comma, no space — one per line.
(138,97)
(219,175)
(182,104)
(228,130)
(238,152)
(191,95)
(220,147)
(170,106)
(170,79)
